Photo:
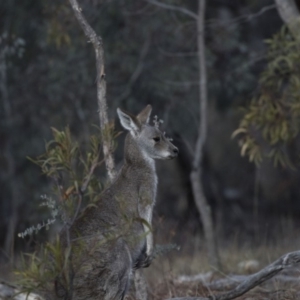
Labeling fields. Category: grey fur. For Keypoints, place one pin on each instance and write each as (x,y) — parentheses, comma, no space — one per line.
(114,236)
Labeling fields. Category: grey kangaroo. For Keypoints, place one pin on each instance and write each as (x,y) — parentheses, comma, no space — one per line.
(113,237)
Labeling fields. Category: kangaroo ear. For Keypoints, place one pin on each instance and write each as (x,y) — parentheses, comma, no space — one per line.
(128,121)
(144,115)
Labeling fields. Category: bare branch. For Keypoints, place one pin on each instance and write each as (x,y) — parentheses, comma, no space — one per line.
(185,83)
(101,87)
(84,186)
(285,261)
(214,22)
(177,54)
(242,18)
(137,72)
(94,165)
(288,260)
(174,7)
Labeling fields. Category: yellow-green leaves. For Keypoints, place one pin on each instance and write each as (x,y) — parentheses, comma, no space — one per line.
(40,269)
(272,120)
(71,167)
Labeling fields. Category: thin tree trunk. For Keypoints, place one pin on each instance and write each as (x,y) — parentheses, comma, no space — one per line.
(8,154)
(139,280)
(101,88)
(195,176)
(290,15)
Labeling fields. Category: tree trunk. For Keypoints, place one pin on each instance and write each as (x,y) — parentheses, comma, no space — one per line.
(139,280)
(290,15)
(101,89)
(13,198)
(195,176)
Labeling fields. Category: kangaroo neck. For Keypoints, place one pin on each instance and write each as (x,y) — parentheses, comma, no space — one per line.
(135,157)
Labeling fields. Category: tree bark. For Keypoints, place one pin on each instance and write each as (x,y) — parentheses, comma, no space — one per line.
(139,280)
(101,89)
(195,176)
(12,203)
(290,15)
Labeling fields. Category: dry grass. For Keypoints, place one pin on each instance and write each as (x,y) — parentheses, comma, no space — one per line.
(192,259)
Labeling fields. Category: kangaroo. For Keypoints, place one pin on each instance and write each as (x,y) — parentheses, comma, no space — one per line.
(114,236)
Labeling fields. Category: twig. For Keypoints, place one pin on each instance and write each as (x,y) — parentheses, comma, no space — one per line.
(177,54)
(95,164)
(137,72)
(84,186)
(242,18)
(214,22)
(174,7)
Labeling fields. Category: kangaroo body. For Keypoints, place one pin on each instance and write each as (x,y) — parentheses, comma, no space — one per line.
(114,236)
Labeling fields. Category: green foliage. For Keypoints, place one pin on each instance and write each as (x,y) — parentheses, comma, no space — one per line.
(71,169)
(58,16)
(39,270)
(271,121)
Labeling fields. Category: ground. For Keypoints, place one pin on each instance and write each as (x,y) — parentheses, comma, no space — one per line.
(239,260)
(239,257)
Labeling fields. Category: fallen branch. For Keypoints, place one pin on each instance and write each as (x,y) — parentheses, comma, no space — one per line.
(288,260)
(205,278)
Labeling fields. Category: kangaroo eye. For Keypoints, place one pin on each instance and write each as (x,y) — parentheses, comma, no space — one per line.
(156,139)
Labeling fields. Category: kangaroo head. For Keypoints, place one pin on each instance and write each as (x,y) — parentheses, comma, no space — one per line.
(150,140)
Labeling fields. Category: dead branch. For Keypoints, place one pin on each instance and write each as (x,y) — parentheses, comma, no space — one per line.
(215,22)
(101,87)
(286,261)
(202,277)
(137,72)
(174,7)
(242,18)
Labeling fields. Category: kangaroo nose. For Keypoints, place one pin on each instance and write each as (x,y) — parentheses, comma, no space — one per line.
(176,151)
